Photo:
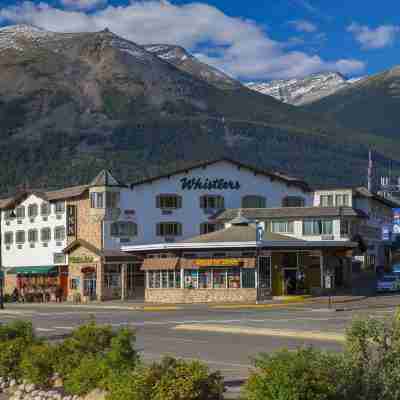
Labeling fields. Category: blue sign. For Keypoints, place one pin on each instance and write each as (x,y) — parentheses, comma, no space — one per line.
(260,232)
(396,221)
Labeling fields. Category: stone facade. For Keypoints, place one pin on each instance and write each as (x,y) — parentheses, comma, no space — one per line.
(190,296)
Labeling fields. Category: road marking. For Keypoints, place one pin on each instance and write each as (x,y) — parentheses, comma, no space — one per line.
(67,328)
(245,330)
(45,329)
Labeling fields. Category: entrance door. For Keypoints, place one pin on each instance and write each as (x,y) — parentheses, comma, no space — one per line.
(89,285)
(290,279)
(264,278)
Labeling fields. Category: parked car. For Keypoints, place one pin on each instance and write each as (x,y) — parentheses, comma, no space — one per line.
(388,283)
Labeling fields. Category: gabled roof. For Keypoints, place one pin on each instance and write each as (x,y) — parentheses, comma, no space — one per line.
(237,233)
(82,243)
(202,164)
(105,178)
(289,212)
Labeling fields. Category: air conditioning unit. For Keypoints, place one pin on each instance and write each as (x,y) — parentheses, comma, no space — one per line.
(328,237)
(169,239)
(166,212)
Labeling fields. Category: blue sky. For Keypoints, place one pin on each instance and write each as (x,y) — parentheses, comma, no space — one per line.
(251,40)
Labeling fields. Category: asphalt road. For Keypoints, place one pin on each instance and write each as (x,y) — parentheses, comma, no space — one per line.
(257,330)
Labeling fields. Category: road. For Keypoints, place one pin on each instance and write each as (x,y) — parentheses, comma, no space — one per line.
(193,332)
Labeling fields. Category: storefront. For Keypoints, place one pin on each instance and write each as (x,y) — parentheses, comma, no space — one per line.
(230,266)
(38,283)
(102,275)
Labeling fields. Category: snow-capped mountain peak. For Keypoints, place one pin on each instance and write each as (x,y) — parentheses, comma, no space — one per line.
(303,90)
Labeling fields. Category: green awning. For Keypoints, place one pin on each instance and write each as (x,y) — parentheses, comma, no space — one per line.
(39,270)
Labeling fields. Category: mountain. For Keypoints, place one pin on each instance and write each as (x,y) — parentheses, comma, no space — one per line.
(370,105)
(74,103)
(305,90)
(186,62)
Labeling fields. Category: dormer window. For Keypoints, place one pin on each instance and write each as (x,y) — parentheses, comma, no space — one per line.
(45,209)
(60,207)
(97,200)
(326,200)
(342,200)
(32,210)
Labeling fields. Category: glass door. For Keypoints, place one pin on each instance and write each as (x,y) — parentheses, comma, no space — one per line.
(264,278)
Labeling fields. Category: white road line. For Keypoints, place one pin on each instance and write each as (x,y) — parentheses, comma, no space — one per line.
(67,328)
(45,329)
(175,339)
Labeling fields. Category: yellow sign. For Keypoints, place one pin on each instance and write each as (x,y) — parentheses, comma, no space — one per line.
(218,262)
(81,259)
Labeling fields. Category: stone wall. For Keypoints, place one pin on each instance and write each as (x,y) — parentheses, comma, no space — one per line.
(188,296)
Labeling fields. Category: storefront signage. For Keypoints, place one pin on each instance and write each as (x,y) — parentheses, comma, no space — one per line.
(218,262)
(81,259)
(209,184)
(88,270)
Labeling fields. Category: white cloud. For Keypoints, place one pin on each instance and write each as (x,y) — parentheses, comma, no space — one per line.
(377,38)
(83,4)
(302,25)
(238,46)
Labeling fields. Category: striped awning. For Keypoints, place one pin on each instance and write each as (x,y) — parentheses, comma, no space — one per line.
(151,264)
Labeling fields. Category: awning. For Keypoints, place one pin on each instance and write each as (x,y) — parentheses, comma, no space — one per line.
(37,270)
(151,264)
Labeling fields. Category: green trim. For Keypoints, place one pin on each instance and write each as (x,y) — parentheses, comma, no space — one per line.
(39,270)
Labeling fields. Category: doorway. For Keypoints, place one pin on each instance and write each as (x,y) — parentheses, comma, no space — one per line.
(264,278)
(89,285)
(290,281)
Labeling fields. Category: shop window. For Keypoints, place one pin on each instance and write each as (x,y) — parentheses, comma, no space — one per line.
(165,279)
(8,238)
(168,201)
(59,233)
(45,209)
(20,212)
(169,229)
(317,227)
(171,279)
(248,278)
(212,202)
(252,201)
(282,226)
(190,277)
(326,200)
(112,280)
(32,210)
(124,229)
(293,201)
(233,278)
(45,235)
(154,279)
(74,283)
(219,279)
(20,237)
(97,200)
(205,279)
(33,235)
(59,207)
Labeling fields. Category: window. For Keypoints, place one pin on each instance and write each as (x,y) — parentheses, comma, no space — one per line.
(219,279)
(169,229)
(122,228)
(59,258)
(20,212)
(45,209)
(169,201)
(60,207)
(205,279)
(8,214)
(59,233)
(191,279)
(20,237)
(74,283)
(282,226)
(293,201)
(345,227)
(208,227)
(248,278)
(326,200)
(71,220)
(96,200)
(317,227)
(166,279)
(254,202)
(112,199)
(32,210)
(45,235)
(33,235)
(8,238)
(212,202)
(342,200)
(233,278)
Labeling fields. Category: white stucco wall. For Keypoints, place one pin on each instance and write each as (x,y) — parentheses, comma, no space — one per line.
(142,199)
(39,255)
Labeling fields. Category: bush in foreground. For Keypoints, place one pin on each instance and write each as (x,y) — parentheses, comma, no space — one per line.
(306,374)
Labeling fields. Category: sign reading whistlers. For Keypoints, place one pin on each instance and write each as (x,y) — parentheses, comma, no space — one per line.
(209,184)
(217,262)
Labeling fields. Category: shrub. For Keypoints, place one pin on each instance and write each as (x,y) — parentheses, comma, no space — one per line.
(91,373)
(17,329)
(37,364)
(305,374)
(134,385)
(11,352)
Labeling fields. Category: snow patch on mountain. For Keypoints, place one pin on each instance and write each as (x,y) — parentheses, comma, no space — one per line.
(305,90)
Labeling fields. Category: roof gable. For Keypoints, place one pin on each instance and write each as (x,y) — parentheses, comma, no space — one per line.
(105,178)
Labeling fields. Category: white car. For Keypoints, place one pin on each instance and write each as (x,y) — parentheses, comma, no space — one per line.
(388,283)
